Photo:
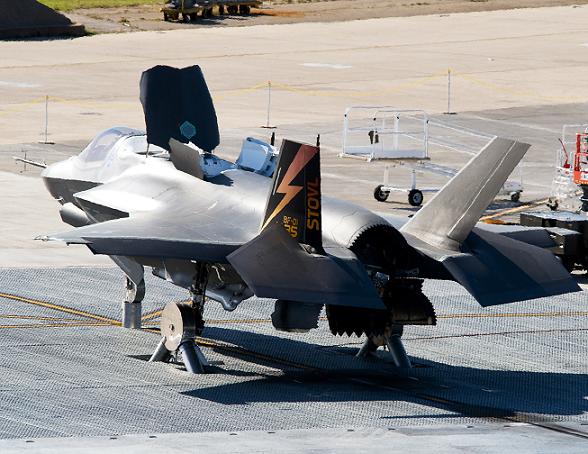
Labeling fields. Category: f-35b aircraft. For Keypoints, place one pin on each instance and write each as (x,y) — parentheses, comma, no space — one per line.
(260,226)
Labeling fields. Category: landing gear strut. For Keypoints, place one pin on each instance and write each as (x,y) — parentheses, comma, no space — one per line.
(391,340)
(131,308)
(180,324)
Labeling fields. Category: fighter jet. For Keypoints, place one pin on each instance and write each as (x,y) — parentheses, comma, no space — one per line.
(227,231)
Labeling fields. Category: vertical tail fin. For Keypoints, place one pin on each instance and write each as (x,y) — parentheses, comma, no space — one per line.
(295,198)
(449,217)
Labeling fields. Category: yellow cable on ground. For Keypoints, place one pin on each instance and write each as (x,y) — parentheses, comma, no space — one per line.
(507,90)
(57,307)
(513,210)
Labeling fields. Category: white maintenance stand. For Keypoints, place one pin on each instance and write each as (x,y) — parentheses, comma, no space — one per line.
(403,136)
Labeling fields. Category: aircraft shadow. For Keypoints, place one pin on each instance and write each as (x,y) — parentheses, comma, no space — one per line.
(455,389)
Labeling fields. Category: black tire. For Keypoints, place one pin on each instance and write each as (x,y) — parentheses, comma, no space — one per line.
(379,195)
(552,204)
(415,198)
(569,263)
(232,9)
(207,13)
(515,196)
(244,10)
(186,18)
(221,10)
(166,17)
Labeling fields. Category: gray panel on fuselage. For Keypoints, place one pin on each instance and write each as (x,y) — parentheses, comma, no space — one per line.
(206,221)
(176,215)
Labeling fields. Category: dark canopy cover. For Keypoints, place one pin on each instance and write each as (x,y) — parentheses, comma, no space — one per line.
(177,104)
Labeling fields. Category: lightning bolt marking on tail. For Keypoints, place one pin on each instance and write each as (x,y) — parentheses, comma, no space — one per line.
(303,157)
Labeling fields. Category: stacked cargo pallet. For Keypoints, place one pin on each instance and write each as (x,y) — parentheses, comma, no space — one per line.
(191,10)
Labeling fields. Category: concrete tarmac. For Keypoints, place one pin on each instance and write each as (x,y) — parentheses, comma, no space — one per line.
(516,73)
(519,73)
(500,59)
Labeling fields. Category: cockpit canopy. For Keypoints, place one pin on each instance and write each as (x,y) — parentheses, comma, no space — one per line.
(115,143)
(135,142)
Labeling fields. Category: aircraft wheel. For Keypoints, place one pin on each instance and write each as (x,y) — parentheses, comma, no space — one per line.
(515,196)
(379,195)
(415,197)
(569,263)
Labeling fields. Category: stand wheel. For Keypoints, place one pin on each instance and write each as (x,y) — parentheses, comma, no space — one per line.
(552,204)
(415,197)
(569,263)
(515,196)
(379,195)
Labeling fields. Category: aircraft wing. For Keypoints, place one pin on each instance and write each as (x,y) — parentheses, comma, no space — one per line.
(159,234)
(165,213)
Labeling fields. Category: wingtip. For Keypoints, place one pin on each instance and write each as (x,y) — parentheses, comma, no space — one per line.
(62,237)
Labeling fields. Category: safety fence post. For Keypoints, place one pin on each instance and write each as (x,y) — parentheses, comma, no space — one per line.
(449,111)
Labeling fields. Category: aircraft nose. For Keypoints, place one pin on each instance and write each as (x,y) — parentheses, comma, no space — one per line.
(54,177)
(53,170)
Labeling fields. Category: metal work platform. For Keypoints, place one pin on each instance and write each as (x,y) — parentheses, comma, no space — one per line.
(406,138)
(68,370)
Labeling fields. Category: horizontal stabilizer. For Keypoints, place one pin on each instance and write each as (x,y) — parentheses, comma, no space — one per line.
(497,269)
(452,213)
(274,265)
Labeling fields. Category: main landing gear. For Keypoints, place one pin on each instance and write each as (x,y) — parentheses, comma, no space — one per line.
(391,341)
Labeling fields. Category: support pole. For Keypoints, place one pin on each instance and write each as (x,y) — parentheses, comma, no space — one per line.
(46,133)
(46,117)
(449,111)
(269,102)
(269,106)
